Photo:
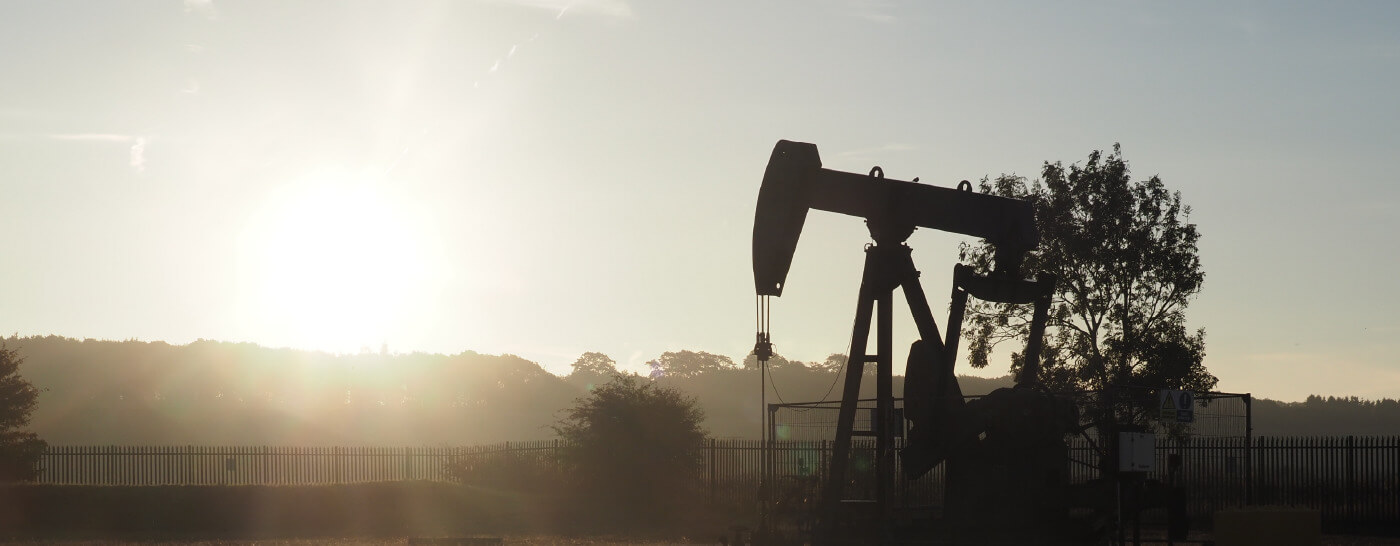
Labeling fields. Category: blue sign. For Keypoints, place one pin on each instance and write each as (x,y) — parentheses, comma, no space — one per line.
(1174,405)
(1185,407)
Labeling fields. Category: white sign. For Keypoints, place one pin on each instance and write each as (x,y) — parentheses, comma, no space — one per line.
(1136,451)
(1174,405)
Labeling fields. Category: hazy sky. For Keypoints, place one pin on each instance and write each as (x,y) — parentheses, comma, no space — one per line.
(546,177)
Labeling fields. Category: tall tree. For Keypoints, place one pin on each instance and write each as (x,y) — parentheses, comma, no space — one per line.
(1126,258)
(776,362)
(592,369)
(688,364)
(19,450)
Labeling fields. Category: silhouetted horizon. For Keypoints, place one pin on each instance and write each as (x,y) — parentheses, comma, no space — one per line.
(210,392)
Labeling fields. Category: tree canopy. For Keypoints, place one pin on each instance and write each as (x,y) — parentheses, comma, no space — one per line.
(688,364)
(833,363)
(776,362)
(592,369)
(1126,259)
(19,450)
(592,363)
(17,396)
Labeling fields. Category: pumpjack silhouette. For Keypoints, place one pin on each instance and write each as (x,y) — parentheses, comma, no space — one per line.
(1005,453)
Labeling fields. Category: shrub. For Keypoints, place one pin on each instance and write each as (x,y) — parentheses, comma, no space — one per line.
(633,450)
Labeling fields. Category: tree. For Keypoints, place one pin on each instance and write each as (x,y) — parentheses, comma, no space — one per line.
(592,369)
(688,364)
(595,364)
(635,447)
(1126,259)
(777,362)
(19,451)
(834,362)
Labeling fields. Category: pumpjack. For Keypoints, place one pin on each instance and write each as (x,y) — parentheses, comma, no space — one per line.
(1005,452)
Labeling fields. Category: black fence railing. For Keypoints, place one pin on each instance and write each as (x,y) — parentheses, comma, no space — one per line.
(264,465)
(1351,480)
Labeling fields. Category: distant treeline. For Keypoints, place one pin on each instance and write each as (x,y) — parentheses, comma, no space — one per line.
(219,393)
(1330,416)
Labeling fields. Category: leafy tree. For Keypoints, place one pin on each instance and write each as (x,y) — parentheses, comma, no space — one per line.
(592,368)
(836,362)
(776,362)
(1126,259)
(19,451)
(688,364)
(635,447)
(595,364)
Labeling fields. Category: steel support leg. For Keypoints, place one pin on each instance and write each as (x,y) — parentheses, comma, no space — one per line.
(872,280)
(918,302)
(884,410)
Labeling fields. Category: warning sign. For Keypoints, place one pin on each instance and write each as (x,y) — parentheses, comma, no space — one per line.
(1177,406)
(1166,405)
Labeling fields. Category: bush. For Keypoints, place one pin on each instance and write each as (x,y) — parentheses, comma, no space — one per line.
(528,470)
(633,452)
(19,456)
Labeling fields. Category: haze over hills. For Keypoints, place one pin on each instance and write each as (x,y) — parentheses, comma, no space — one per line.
(209,392)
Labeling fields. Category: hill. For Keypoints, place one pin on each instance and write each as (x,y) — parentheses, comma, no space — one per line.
(207,392)
(210,392)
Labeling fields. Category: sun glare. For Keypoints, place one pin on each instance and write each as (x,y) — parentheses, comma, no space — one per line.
(337,264)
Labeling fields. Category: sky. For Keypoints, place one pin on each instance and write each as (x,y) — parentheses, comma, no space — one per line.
(549,177)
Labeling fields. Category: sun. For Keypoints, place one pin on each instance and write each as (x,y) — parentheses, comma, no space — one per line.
(336,263)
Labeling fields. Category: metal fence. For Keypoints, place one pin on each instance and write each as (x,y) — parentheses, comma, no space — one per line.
(1352,480)
(261,465)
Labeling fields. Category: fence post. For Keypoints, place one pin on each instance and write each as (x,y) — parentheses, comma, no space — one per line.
(1248,450)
